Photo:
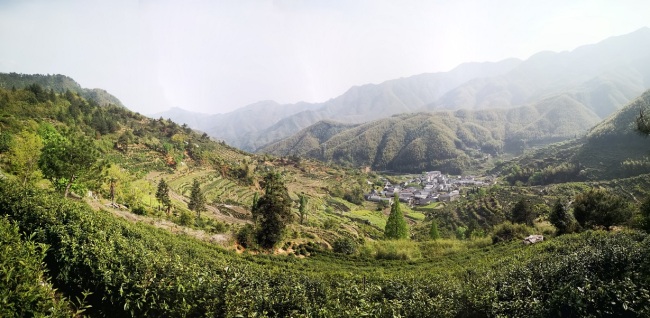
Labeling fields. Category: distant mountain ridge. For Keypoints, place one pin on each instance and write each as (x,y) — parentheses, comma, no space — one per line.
(59,83)
(601,77)
(256,125)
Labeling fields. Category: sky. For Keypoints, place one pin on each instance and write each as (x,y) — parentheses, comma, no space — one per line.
(216,56)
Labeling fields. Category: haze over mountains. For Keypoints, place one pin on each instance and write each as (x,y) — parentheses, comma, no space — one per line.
(599,78)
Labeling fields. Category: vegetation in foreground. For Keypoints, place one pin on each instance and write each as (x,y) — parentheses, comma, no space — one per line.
(136,270)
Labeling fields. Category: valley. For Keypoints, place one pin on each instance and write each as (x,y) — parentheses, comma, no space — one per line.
(413,212)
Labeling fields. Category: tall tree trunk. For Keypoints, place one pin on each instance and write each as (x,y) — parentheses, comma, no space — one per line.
(67,186)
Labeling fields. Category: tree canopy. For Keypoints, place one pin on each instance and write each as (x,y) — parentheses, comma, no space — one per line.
(67,158)
(396,227)
(598,207)
(197,199)
(272,212)
(162,194)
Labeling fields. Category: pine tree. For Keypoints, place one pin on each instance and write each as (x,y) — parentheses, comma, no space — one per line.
(433,231)
(197,199)
(396,225)
(302,209)
(162,194)
(272,212)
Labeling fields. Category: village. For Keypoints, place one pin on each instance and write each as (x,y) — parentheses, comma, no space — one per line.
(431,186)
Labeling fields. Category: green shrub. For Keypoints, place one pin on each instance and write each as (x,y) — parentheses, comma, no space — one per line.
(25,290)
(507,232)
(185,218)
(246,236)
(345,245)
(139,210)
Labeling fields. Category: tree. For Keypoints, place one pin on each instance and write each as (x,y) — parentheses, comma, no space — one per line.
(396,225)
(598,207)
(272,212)
(68,158)
(256,197)
(302,209)
(162,194)
(562,218)
(197,199)
(523,213)
(643,123)
(645,215)
(23,156)
(433,230)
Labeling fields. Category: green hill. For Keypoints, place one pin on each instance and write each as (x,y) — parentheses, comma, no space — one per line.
(612,149)
(451,141)
(59,84)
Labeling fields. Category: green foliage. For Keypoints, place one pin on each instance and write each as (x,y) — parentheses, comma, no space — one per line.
(185,218)
(344,245)
(24,155)
(68,158)
(507,232)
(197,199)
(5,141)
(136,270)
(272,212)
(562,218)
(302,209)
(433,230)
(25,290)
(599,207)
(246,236)
(396,227)
(162,195)
(645,214)
(523,213)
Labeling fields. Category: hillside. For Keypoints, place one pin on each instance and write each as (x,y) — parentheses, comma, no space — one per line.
(449,141)
(612,149)
(59,84)
(256,125)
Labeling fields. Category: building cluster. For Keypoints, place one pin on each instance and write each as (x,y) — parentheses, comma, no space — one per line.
(429,187)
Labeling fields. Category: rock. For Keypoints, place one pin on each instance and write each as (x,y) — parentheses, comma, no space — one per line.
(532,239)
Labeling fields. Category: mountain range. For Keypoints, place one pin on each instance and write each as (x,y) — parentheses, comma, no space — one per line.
(601,78)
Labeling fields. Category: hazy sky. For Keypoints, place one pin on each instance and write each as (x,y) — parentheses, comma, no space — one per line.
(215,56)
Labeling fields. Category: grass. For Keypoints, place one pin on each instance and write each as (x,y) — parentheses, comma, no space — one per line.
(375,218)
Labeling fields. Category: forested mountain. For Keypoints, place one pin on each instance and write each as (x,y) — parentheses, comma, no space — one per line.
(451,141)
(258,124)
(59,84)
(612,149)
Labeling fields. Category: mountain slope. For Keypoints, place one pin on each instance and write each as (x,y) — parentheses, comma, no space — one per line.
(603,76)
(59,84)
(611,150)
(447,140)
